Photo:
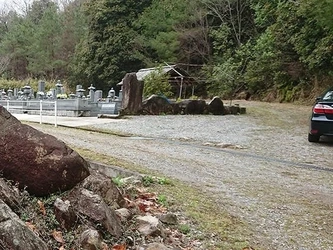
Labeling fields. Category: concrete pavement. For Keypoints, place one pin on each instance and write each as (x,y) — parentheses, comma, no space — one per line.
(64,120)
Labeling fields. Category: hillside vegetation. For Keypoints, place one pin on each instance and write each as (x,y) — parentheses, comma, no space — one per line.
(276,50)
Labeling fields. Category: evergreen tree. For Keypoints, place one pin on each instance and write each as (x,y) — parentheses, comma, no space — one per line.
(107,53)
(45,47)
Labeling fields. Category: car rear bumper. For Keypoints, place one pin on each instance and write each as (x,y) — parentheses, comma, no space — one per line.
(321,127)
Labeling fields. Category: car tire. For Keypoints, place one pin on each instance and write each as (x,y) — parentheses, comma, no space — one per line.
(313,138)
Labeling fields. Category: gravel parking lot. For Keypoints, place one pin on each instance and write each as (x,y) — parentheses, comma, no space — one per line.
(258,166)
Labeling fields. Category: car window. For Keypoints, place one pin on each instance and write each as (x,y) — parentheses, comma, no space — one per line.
(328,96)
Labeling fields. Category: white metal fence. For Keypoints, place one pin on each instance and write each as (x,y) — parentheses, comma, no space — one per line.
(33,107)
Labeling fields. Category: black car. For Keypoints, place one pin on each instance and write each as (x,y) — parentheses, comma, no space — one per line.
(322,117)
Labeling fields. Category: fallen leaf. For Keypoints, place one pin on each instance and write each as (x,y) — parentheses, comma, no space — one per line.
(31,226)
(140,190)
(147,196)
(129,202)
(41,207)
(119,247)
(142,207)
(57,235)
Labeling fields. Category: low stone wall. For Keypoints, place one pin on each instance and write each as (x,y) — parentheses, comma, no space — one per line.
(110,170)
(65,107)
(154,105)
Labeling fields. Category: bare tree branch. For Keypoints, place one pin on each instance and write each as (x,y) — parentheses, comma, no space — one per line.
(194,36)
(231,13)
(4,62)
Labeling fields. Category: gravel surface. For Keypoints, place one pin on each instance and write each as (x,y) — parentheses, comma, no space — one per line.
(259,166)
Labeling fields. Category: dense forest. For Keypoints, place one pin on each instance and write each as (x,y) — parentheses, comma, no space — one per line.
(271,50)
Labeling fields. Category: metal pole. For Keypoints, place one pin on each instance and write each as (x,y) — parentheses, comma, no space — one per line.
(55,114)
(181,88)
(40,111)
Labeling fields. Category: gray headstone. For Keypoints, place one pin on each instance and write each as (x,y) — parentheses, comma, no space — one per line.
(98,95)
(41,86)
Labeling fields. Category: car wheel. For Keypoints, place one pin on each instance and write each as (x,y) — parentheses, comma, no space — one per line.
(313,138)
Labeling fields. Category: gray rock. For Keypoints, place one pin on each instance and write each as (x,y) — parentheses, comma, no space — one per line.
(192,107)
(124,214)
(234,110)
(90,239)
(132,95)
(135,180)
(14,234)
(216,107)
(156,105)
(148,225)
(169,219)
(35,160)
(9,195)
(92,205)
(104,187)
(64,213)
(157,246)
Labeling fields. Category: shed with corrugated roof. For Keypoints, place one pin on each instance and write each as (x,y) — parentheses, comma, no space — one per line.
(178,78)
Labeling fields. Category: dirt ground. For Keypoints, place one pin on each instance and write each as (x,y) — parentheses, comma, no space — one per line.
(258,167)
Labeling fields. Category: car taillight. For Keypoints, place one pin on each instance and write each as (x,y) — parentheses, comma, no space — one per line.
(322,109)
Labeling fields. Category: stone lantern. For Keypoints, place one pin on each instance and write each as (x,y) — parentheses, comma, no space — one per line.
(92,93)
(3,94)
(26,91)
(80,93)
(111,94)
(40,95)
(10,93)
(58,88)
(20,94)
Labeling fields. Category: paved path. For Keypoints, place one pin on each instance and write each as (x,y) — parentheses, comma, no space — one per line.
(65,121)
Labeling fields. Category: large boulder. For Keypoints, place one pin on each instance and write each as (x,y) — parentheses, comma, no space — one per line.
(156,105)
(192,107)
(14,234)
(216,107)
(36,160)
(132,95)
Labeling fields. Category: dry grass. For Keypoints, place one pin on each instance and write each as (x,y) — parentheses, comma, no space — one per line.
(281,115)
(210,224)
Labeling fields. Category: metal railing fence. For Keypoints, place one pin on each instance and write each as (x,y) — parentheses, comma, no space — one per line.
(40,107)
